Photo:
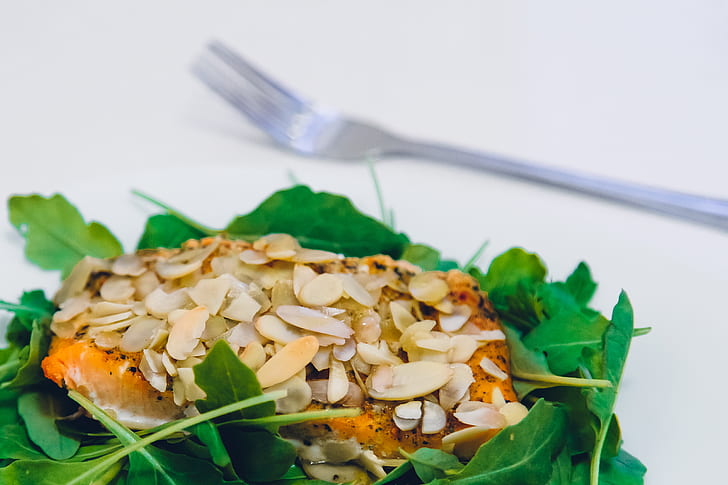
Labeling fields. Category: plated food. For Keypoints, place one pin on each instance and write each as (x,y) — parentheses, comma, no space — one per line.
(304,356)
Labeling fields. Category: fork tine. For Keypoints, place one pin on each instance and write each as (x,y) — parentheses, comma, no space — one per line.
(256,77)
(265,115)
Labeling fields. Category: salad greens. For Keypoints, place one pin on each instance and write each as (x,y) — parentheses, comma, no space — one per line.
(566,359)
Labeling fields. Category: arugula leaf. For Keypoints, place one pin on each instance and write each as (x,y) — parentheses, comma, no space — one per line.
(226,380)
(208,434)
(601,402)
(319,220)
(15,444)
(581,285)
(167,231)
(430,464)
(510,270)
(29,358)
(422,255)
(623,469)
(56,235)
(50,472)
(257,454)
(39,410)
(521,454)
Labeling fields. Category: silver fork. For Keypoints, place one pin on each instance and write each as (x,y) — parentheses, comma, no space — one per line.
(307,128)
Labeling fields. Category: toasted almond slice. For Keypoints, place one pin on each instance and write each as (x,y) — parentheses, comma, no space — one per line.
(160,304)
(288,361)
(355,290)
(72,307)
(513,412)
(243,308)
(492,368)
(105,340)
(428,287)
(275,329)
(405,424)
(214,328)
(186,262)
(322,358)
(414,379)
(282,294)
(254,355)
(438,342)
(117,288)
(117,317)
(489,335)
(304,255)
(377,355)
(367,328)
(104,308)
(433,418)
(413,333)
(476,413)
(186,332)
(277,246)
(457,387)
(210,293)
(192,390)
(253,256)
(465,442)
(168,364)
(298,395)
(128,265)
(401,315)
(496,397)
(462,348)
(314,321)
(409,410)
(242,334)
(456,320)
(140,334)
(145,284)
(444,306)
(302,275)
(345,352)
(75,283)
(323,290)
(381,378)
(338,385)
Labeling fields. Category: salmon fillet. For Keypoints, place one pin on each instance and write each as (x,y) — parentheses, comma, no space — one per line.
(421,353)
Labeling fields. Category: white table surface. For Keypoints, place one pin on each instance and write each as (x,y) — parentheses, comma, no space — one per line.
(97,99)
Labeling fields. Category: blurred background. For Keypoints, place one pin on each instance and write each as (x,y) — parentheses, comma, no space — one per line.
(97,99)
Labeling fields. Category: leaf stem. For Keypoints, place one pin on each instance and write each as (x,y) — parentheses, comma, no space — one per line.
(386,215)
(563,380)
(174,212)
(17,307)
(638,332)
(475,257)
(285,419)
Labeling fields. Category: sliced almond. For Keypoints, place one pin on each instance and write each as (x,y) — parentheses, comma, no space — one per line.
(492,368)
(145,284)
(322,358)
(192,390)
(338,385)
(434,418)
(75,283)
(382,378)
(401,315)
(140,334)
(160,304)
(367,328)
(456,320)
(304,255)
(184,263)
(298,395)
(513,412)
(345,352)
(302,275)
(288,361)
(457,387)
(409,410)
(242,334)
(210,293)
(476,413)
(243,308)
(186,332)
(282,294)
(414,379)
(104,340)
(104,308)
(168,364)
(128,265)
(428,287)
(275,329)
(462,348)
(117,288)
(405,424)
(253,356)
(253,256)
(323,290)
(314,321)
(105,320)
(72,307)
(377,354)
(214,328)
(355,290)
(497,397)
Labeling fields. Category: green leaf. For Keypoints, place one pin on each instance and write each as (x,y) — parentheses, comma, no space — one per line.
(15,444)
(422,255)
(29,359)
(581,285)
(167,231)
(512,269)
(50,472)
(601,402)
(8,407)
(623,469)
(226,380)
(40,410)
(431,464)
(403,474)
(521,454)
(321,221)
(56,235)
(258,455)
(208,434)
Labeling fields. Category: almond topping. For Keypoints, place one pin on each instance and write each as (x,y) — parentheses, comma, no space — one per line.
(304,255)
(338,385)
(160,304)
(72,307)
(298,395)
(433,418)
(184,263)
(414,379)
(480,414)
(253,256)
(117,288)
(275,329)
(462,348)
(186,332)
(377,355)
(456,388)
(253,356)
(314,321)
(140,334)
(288,361)
(409,410)
(355,290)
(323,290)
(128,265)
(455,321)
(243,308)
(210,293)
(492,368)
(513,412)
(428,287)
(401,315)
(302,275)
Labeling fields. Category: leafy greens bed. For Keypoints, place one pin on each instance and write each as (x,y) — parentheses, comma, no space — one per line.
(567,362)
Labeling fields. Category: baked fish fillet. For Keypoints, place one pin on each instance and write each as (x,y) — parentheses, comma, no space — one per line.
(421,353)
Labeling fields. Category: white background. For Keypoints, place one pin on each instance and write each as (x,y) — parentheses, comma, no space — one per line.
(97,99)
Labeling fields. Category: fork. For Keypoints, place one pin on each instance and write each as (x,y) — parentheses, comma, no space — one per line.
(307,128)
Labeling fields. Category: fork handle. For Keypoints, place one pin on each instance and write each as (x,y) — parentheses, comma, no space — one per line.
(705,210)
